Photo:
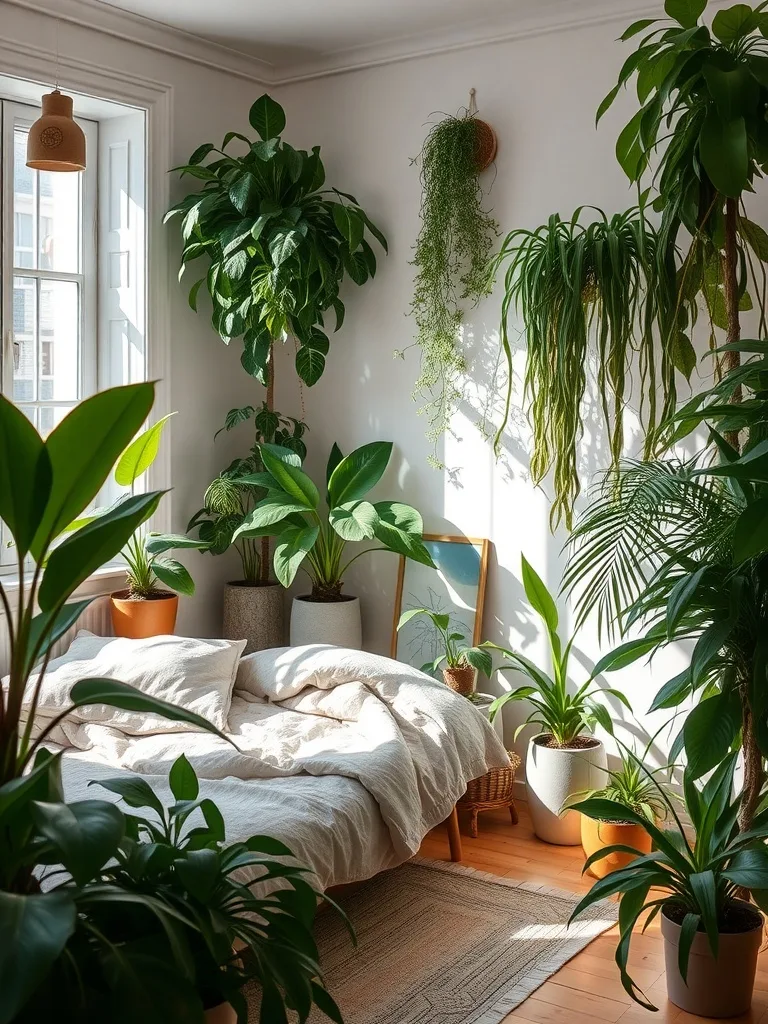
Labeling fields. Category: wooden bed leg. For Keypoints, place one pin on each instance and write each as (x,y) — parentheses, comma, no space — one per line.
(454,835)
(513,813)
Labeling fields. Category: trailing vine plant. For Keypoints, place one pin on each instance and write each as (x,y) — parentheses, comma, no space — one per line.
(451,256)
(602,293)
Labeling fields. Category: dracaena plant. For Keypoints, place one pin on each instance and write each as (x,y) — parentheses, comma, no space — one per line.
(696,881)
(679,547)
(230,498)
(564,714)
(455,651)
(315,538)
(276,245)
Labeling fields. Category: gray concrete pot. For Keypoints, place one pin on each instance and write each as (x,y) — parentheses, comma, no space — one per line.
(326,622)
(255,614)
(552,776)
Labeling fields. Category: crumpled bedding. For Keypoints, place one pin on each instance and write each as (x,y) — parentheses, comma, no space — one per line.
(347,757)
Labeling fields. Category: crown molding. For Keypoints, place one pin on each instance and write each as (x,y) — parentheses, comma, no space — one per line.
(155,35)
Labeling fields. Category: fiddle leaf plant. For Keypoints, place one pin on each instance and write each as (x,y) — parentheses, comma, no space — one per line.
(276,244)
(316,539)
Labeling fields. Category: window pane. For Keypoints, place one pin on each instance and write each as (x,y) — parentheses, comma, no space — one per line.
(59,222)
(24,204)
(24,339)
(46,417)
(59,369)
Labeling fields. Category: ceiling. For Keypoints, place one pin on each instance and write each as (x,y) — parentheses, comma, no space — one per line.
(305,36)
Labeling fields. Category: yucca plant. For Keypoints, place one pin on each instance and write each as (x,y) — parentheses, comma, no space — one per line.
(594,299)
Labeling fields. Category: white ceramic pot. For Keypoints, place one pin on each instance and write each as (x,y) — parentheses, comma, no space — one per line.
(552,776)
(255,614)
(326,622)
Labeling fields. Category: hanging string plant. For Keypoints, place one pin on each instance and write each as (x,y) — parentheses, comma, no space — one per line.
(452,253)
(604,291)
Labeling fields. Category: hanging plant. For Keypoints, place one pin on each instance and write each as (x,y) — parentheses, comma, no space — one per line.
(452,252)
(607,287)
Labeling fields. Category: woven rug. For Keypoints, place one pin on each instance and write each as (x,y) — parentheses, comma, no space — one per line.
(441,943)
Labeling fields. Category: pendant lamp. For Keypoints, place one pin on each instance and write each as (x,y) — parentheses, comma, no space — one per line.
(56,142)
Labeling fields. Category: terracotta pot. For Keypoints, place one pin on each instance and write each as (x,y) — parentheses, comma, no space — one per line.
(595,835)
(221,1014)
(137,618)
(552,776)
(719,987)
(255,614)
(326,622)
(461,679)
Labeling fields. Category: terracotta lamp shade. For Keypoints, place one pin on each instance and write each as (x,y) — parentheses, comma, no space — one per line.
(56,142)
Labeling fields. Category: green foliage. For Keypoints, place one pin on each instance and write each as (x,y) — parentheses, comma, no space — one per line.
(700,880)
(562,714)
(456,652)
(308,537)
(604,285)
(277,245)
(679,547)
(230,498)
(452,251)
(633,785)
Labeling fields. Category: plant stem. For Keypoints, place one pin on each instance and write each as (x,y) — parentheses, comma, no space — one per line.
(265,560)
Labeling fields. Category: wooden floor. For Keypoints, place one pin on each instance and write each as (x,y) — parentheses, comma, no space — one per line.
(587,990)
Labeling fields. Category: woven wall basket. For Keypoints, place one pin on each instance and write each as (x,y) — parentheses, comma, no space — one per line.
(486,144)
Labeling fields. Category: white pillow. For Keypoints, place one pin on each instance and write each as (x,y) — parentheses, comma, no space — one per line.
(194,674)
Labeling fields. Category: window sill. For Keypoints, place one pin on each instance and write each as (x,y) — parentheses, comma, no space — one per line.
(106,579)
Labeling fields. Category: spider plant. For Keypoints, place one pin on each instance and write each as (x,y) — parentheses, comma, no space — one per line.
(456,653)
(589,295)
(633,785)
(563,714)
(697,880)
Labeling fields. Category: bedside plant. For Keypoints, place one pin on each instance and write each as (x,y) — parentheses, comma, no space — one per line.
(315,539)
(462,663)
(694,884)
(564,759)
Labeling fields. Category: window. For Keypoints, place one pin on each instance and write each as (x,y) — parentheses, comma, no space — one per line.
(72,262)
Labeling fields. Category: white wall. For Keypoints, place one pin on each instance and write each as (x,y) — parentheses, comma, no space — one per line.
(540,94)
(206,377)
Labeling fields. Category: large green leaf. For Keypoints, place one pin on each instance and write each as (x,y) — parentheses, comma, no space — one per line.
(393,530)
(25,476)
(750,536)
(85,551)
(355,520)
(405,517)
(734,22)
(85,834)
(685,12)
(292,479)
(749,868)
(174,575)
(134,790)
(358,472)
(310,364)
(244,193)
(128,698)
(83,448)
(267,117)
(183,780)
(709,730)
(538,596)
(724,153)
(273,509)
(140,454)
(350,224)
(159,543)
(48,627)
(735,92)
(291,550)
(35,930)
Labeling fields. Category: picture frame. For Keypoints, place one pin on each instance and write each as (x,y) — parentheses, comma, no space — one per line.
(458,588)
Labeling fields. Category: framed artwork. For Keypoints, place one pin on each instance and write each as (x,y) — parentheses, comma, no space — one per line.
(457,588)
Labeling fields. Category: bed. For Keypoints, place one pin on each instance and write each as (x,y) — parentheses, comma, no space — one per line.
(348,758)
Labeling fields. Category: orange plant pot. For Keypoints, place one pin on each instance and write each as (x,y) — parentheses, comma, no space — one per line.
(137,618)
(596,835)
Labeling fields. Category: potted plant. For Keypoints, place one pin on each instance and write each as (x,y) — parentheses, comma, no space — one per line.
(316,539)
(563,759)
(144,608)
(452,252)
(711,936)
(632,786)
(253,604)
(93,945)
(462,663)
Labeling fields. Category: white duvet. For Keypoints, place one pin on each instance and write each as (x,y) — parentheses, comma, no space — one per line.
(347,757)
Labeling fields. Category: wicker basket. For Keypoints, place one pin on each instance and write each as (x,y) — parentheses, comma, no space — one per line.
(492,790)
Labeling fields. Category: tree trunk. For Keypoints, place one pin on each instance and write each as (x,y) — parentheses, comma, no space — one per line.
(731,290)
(754,769)
(265,561)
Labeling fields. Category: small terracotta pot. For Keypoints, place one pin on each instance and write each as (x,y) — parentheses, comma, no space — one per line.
(461,679)
(221,1014)
(596,835)
(138,618)
(719,987)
